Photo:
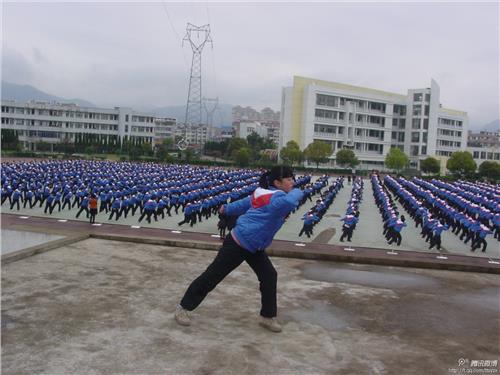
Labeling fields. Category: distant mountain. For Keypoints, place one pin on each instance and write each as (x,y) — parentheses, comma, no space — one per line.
(24,93)
(493,126)
(222,115)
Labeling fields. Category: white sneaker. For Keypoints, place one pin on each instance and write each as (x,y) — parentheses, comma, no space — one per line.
(271,324)
(181,316)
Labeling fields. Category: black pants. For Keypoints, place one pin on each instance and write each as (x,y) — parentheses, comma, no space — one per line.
(93,212)
(230,256)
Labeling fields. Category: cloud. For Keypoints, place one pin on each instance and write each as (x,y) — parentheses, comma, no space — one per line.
(131,53)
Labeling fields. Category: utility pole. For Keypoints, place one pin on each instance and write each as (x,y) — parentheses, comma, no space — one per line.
(197,36)
(210,105)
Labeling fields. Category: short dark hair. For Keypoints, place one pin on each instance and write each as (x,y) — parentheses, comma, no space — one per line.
(277,172)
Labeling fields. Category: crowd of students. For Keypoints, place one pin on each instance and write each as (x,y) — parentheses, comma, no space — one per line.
(351,217)
(314,215)
(393,223)
(123,188)
(431,228)
(437,206)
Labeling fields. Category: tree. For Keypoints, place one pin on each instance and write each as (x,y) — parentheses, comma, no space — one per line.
(215,149)
(346,157)
(242,157)
(461,164)
(318,152)
(43,146)
(235,144)
(430,165)
(161,150)
(490,170)
(10,140)
(291,153)
(188,155)
(396,159)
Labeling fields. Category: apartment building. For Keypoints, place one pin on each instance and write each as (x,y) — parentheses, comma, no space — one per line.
(51,122)
(370,121)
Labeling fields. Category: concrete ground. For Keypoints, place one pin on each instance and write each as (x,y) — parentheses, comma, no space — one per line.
(327,231)
(105,307)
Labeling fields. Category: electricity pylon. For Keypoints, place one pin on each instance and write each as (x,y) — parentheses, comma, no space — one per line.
(197,36)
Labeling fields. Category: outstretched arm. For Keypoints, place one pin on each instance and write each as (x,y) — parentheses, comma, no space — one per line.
(236,208)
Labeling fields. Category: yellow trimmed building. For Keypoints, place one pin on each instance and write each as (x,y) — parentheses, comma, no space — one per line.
(370,121)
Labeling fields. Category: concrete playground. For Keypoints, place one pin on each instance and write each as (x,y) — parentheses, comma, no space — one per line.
(105,307)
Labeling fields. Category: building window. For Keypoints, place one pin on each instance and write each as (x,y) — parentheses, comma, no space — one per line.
(424,150)
(417,97)
(427,98)
(402,123)
(417,110)
(394,135)
(426,123)
(327,100)
(415,137)
(424,137)
(399,109)
(413,150)
(426,110)
(401,137)
(476,155)
(415,123)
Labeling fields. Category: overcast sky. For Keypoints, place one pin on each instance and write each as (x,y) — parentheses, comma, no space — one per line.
(131,54)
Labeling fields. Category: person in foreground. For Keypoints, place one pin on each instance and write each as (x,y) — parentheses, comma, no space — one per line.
(261,215)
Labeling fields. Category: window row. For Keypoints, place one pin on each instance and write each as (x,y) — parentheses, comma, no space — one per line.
(401,123)
(449,122)
(417,110)
(418,96)
(398,136)
(416,123)
(414,150)
(486,155)
(337,101)
(450,133)
(445,143)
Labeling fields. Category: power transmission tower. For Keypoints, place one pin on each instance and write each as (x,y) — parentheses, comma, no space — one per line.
(210,105)
(197,36)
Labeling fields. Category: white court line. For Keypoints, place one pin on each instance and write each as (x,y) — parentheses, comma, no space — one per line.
(23,217)
(96,224)
(176,231)
(300,244)
(135,226)
(215,236)
(62,220)
(349,249)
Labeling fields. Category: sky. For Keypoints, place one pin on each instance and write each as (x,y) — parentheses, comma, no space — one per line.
(131,53)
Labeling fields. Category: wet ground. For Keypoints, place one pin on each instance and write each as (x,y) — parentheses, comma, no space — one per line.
(105,307)
(13,240)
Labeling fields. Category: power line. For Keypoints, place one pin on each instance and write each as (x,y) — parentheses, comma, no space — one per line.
(186,63)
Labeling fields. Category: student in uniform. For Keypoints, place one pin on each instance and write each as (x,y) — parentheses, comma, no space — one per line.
(260,217)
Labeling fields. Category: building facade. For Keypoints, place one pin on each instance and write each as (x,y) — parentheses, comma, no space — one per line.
(51,122)
(194,134)
(370,121)
(483,139)
(164,128)
(242,129)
